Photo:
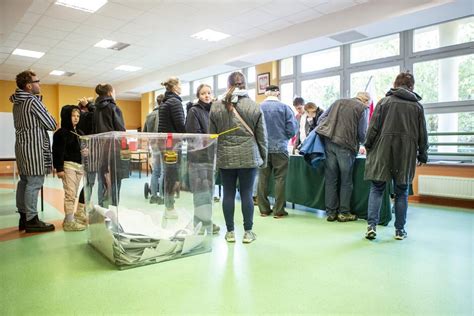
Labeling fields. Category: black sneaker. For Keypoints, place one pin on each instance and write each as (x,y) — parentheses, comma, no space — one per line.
(35,225)
(371,233)
(346,217)
(22,222)
(332,217)
(400,234)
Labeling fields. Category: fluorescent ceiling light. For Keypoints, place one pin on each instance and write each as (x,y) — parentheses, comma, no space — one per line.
(27,53)
(128,68)
(83,5)
(57,72)
(105,43)
(210,35)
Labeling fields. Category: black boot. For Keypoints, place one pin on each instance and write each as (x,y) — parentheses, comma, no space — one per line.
(22,222)
(35,225)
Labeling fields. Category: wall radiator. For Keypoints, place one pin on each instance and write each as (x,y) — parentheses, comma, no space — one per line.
(452,187)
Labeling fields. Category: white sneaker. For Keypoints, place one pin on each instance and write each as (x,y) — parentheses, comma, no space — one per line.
(249,236)
(171,214)
(230,236)
(73,226)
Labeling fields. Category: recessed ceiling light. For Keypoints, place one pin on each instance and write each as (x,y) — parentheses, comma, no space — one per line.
(57,72)
(83,5)
(210,35)
(27,53)
(62,73)
(105,43)
(128,68)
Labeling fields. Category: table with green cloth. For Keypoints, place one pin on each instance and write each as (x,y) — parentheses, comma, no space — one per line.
(306,186)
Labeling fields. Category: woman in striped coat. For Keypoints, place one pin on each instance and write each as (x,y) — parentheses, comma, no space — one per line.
(32,149)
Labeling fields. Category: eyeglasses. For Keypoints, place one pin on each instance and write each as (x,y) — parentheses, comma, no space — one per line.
(35,81)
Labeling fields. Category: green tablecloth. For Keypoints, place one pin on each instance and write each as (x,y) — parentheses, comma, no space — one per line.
(305,186)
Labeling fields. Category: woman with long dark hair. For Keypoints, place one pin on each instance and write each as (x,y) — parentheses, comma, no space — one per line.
(240,152)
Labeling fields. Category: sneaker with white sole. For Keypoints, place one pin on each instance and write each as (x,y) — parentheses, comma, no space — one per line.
(249,236)
(371,233)
(171,214)
(73,226)
(230,236)
(400,234)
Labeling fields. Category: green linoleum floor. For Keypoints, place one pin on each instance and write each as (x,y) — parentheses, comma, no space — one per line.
(298,265)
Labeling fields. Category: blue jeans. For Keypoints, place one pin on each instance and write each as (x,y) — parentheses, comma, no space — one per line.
(338,166)
(27,195)
(375,201)
(246,179)
(156,185)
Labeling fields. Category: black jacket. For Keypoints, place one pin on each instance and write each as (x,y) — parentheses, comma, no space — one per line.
(171,114)
(197,121)
(107,116)
(86,123)
(66,143)
(397,137)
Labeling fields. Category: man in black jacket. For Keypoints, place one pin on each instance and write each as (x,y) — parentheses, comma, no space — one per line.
(396,140)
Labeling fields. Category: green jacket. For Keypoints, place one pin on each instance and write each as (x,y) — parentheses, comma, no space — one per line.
(396,138)
(239,149)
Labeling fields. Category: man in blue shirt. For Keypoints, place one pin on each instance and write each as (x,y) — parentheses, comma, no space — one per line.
(281,126)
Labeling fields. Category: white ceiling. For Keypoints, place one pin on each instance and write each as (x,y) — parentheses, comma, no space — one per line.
(159,34)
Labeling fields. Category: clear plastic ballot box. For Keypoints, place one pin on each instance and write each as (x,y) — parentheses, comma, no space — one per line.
(136,220)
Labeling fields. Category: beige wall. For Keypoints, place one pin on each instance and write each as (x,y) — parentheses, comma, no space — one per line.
(273,69)
(55,96)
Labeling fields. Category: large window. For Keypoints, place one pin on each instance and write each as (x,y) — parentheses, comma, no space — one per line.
(451,122)
(381,47)
(322,91)
(286,67)
(286,93)
(209,81)
(440,57)
(321,60)
(444,80)
(185,89)
(251,76)
(381,79)
(446,34)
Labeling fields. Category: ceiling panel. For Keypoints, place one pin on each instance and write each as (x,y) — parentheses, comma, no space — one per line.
(48,32)
(40,6)
(104,22)
(23,27)
(65,13)
(39,40)
(59,24)
(118,11)
(334,6)
(30,18)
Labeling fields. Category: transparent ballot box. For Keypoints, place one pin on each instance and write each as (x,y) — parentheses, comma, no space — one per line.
(138,217)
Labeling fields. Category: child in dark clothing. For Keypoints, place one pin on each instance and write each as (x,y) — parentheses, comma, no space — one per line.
(67,162)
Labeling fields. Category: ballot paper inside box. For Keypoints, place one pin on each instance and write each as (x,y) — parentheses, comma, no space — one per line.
(130,222)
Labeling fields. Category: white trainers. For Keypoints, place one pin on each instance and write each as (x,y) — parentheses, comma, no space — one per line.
(73,226)
(171,214)
(249,236)
(230,236)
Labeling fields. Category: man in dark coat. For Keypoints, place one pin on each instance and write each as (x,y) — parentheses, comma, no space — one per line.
(396,140)
(343,127)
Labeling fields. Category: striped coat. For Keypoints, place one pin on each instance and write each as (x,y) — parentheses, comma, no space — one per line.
(32,121)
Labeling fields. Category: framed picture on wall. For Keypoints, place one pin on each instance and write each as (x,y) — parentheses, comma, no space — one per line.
(263,81)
